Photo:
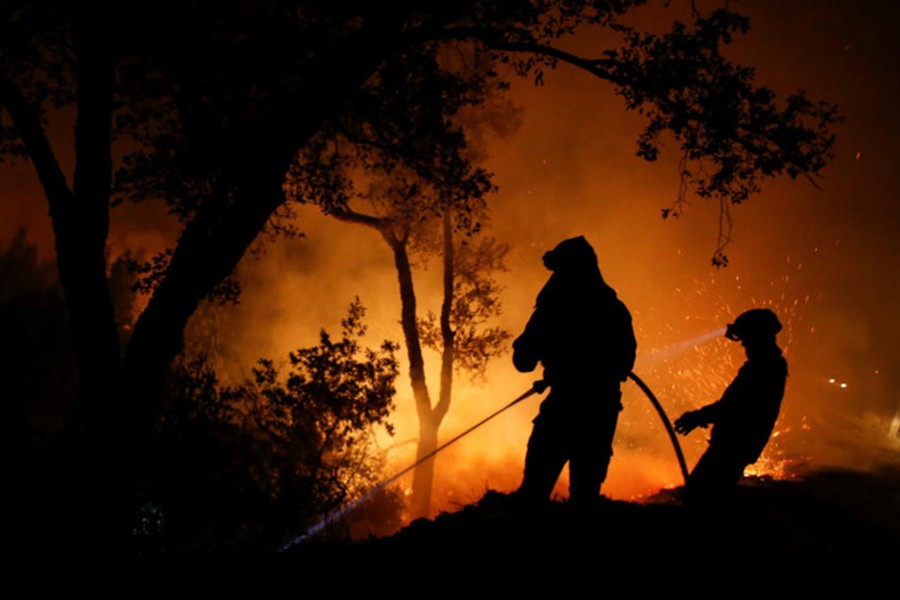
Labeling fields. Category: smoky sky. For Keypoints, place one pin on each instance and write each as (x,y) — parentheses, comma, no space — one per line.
(823,256)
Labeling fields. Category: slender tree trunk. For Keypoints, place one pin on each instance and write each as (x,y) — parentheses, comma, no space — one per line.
(430,418)
(424,473)
(430,422)
(447,334)
(423,476)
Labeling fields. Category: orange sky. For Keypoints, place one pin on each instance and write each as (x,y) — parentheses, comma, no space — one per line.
(824,259)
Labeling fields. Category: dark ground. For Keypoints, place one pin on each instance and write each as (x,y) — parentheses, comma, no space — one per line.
(831,533)
(831,525)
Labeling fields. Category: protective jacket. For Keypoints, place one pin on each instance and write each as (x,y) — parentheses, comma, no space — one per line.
(579,328)
(743,419)
(582,335)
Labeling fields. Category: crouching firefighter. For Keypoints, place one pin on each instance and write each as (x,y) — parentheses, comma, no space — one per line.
(581,333)
(744,417)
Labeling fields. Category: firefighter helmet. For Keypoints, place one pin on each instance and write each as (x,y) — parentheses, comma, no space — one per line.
(755,323)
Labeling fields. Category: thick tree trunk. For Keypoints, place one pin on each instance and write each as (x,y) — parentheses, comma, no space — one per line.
(118,402)
(218,236)
(208,251)
(80,216)
(94,498)
(82,227)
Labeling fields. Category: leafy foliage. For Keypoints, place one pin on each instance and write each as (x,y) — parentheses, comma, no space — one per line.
(732,134)
(149,274)
(215,86)
(402,150)
(49,87)
(476,302)
(271,456)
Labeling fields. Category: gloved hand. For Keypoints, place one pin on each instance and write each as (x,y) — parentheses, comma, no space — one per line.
(687,422)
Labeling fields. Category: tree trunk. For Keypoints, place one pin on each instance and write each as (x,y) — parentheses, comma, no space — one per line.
(218,236)
(82,228)
(80,219)
(428,426)
(208,251)
(80,216)
(423,476)
(118,401)
(430,418)
(447,334)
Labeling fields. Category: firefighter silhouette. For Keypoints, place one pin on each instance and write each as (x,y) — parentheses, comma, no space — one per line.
(581,333)
(744,417)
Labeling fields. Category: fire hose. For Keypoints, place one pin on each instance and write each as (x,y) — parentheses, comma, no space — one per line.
(537,388)
(665,419)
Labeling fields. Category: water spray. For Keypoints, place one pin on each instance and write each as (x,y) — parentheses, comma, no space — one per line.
(674,349)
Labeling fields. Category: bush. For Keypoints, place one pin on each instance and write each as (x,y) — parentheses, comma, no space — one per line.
(246,467)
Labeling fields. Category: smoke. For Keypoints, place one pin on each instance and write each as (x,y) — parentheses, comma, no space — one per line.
(823,259)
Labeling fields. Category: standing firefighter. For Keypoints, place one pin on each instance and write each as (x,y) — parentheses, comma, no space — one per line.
(581,333)
(745,416)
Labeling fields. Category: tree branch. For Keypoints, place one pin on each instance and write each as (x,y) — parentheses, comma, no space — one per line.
(597,66)
(28,123)
(351,216)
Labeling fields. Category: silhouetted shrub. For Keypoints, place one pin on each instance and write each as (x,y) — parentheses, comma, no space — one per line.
(244,467)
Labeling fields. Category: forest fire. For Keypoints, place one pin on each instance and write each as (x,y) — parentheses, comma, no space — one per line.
(685,374)
(690,372)
(426,186)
